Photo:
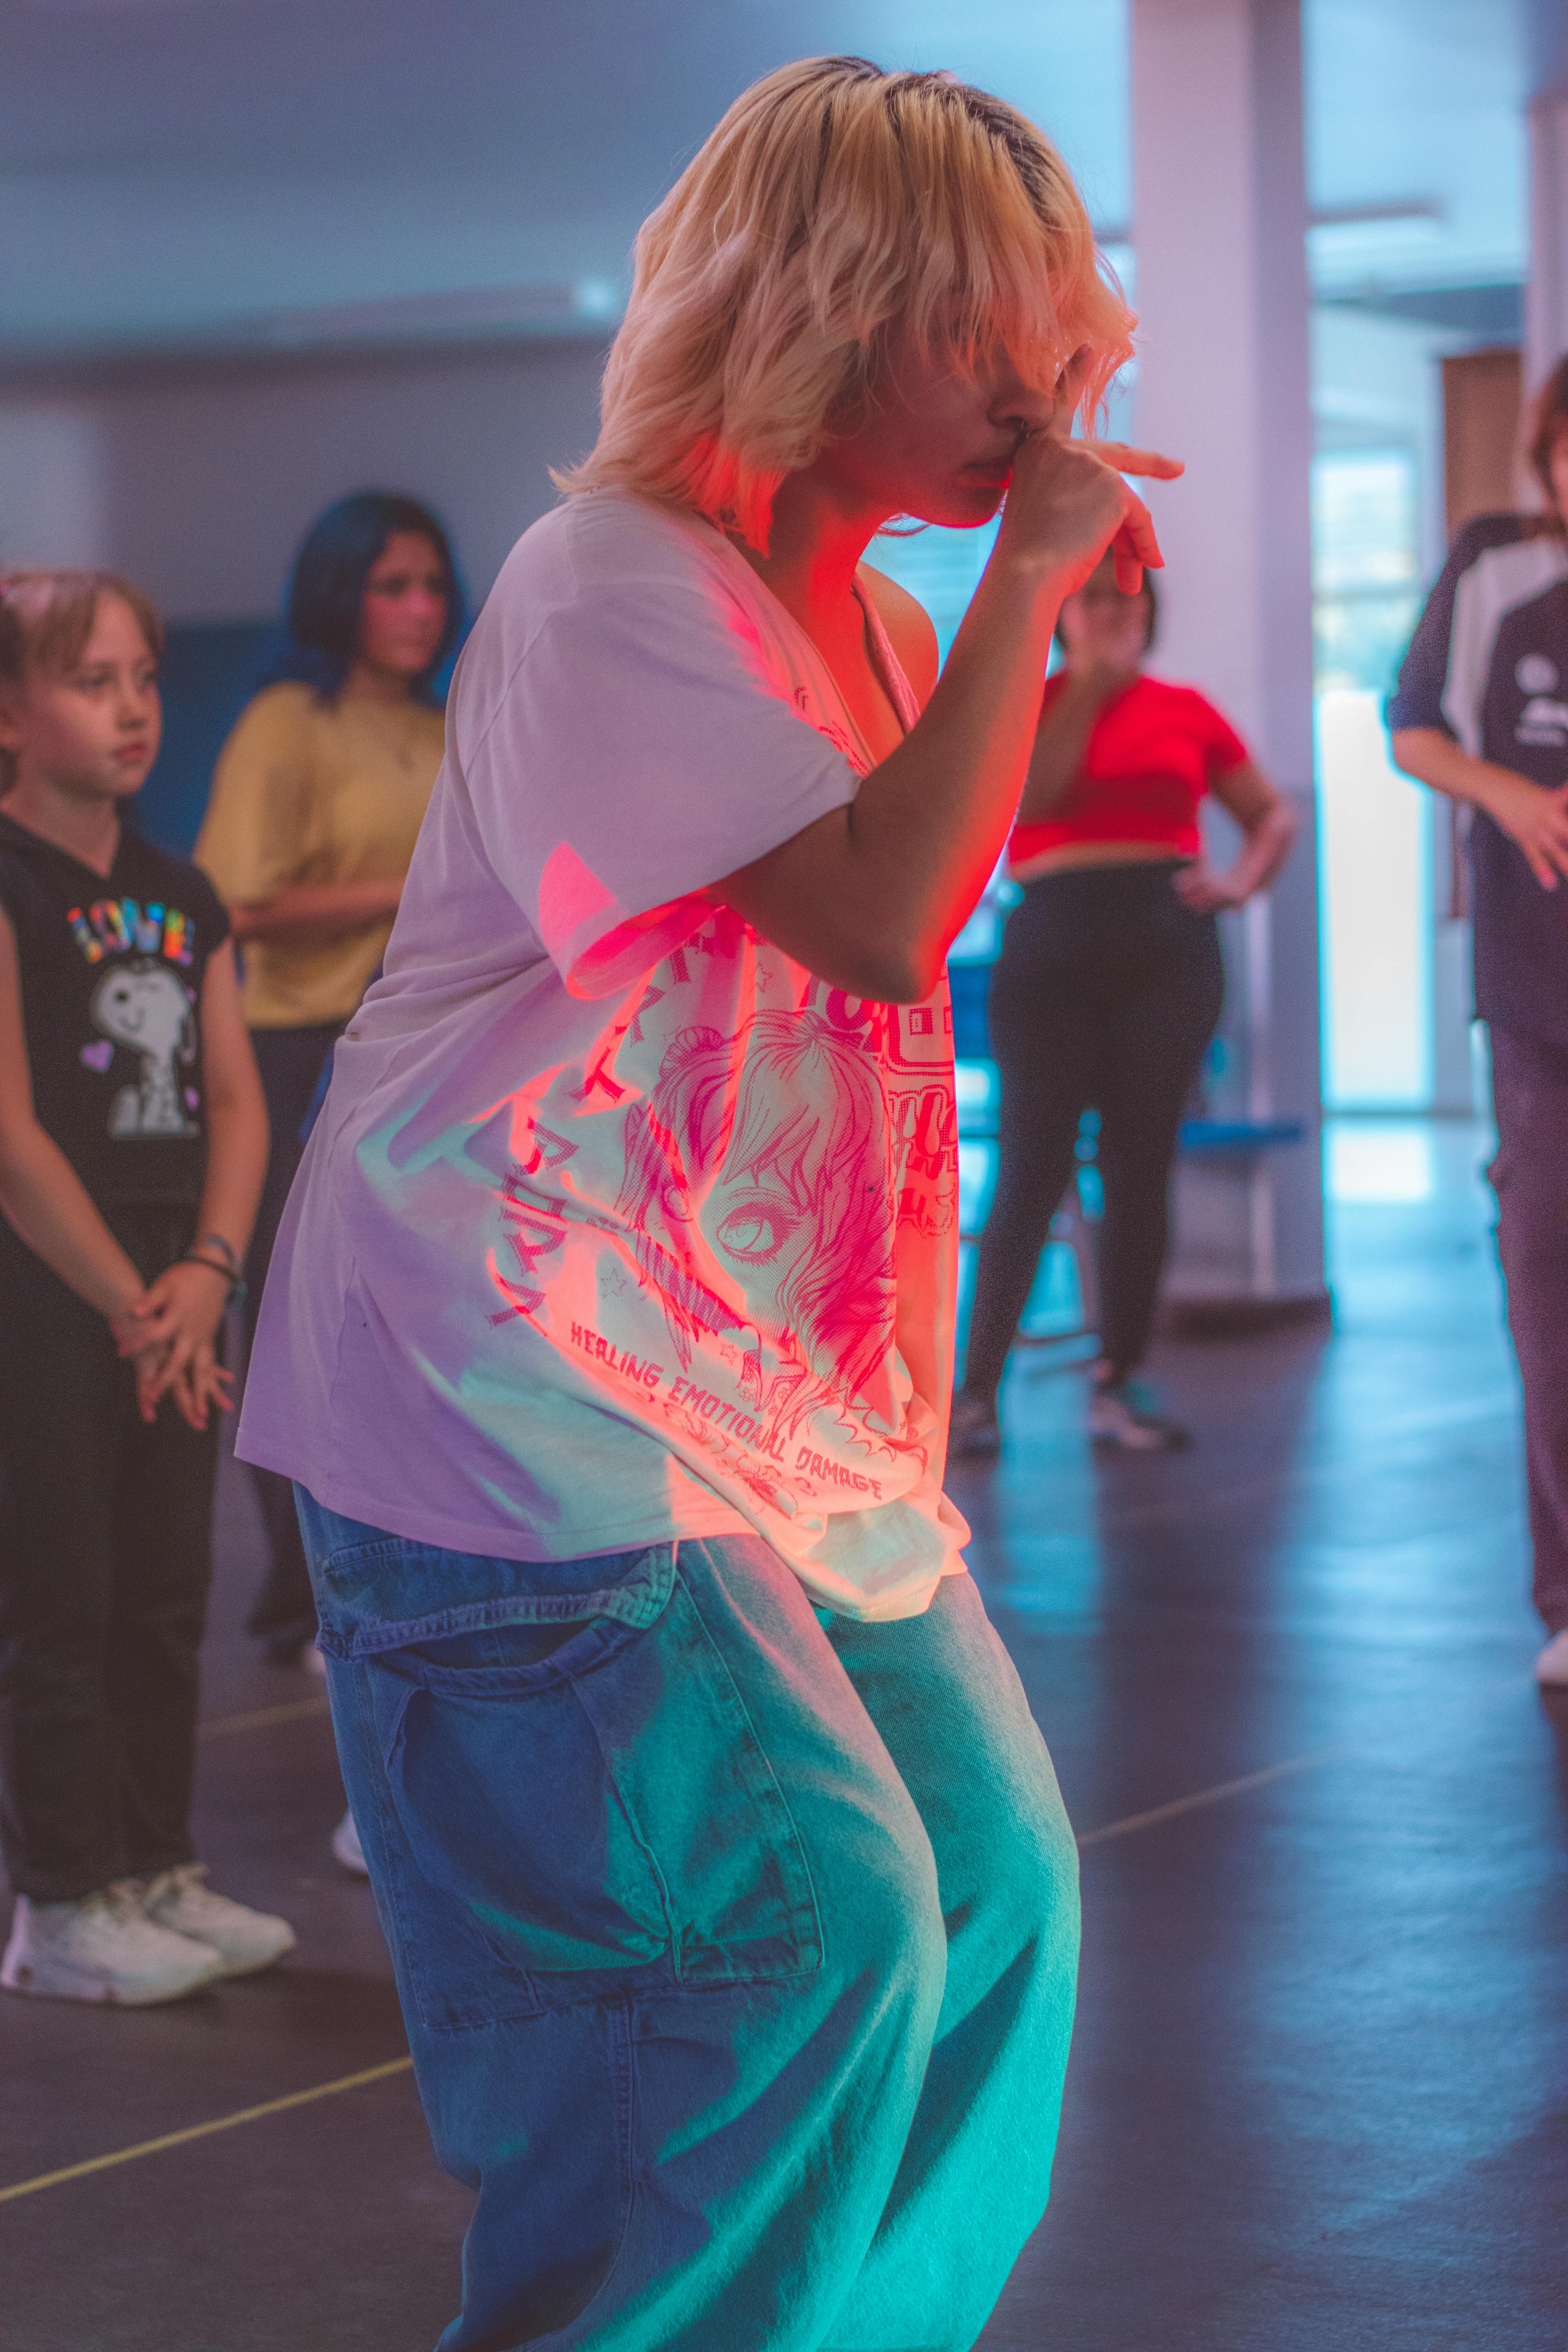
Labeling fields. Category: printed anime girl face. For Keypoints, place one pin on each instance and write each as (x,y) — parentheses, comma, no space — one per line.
(794,1206)
(775,1147)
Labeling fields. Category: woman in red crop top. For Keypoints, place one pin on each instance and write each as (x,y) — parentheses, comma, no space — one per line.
(1108,986)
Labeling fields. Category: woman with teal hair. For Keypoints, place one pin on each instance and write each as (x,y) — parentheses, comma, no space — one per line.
(316,802)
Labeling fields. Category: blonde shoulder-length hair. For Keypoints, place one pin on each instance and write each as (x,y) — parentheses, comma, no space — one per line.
(833,203)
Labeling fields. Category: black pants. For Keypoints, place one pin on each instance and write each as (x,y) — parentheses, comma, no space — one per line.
(1530,1175)
(105,1560)
(290,1061)
(1105,996)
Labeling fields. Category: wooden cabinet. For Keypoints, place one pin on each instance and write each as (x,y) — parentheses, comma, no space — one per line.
(1482,469)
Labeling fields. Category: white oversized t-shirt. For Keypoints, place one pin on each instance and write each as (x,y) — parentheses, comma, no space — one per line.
(619,1225)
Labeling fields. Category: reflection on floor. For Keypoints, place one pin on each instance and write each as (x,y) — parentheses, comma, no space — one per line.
(1317,2093)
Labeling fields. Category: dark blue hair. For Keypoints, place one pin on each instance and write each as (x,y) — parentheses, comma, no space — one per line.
(326,590)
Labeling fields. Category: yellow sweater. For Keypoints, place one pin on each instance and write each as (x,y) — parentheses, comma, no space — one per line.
(307,790)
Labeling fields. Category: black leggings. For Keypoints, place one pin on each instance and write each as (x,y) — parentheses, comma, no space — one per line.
(105,1560)
(1105,996)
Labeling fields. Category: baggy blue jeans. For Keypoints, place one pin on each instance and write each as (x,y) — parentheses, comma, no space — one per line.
(737,1950)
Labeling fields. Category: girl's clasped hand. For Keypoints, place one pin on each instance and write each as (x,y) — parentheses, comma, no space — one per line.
(170,1336)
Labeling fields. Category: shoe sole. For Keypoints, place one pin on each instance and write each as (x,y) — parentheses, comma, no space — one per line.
(255,1967)
(98,1994)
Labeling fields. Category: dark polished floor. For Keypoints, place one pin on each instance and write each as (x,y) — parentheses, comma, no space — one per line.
(1318,2096)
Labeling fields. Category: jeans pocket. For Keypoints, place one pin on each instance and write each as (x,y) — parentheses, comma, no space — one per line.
(598,1820)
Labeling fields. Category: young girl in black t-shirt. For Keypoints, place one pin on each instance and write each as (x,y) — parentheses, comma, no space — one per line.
(132,1140)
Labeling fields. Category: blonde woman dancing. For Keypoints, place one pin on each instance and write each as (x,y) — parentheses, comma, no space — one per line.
(732,1899)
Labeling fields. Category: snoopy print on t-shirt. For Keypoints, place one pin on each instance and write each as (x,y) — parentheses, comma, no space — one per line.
(143,1006)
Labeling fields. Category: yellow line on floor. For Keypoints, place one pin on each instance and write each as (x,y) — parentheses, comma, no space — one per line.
(299,1707)
(1291,1765)
(401,2065)
(1221,1789)
(219,1726)
(201,2131)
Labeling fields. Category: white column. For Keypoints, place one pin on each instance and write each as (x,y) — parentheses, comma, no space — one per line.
(1546,294)
(1220,217)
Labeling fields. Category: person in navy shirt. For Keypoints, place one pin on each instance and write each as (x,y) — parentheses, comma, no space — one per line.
(1481,713)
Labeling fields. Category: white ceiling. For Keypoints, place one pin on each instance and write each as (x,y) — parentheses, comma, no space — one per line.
(196,171)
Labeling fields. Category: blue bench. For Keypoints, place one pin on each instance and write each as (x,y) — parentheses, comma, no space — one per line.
(1236,1135)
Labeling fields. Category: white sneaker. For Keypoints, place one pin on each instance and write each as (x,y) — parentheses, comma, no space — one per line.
(347,1847)
(103,1948)
(1552,1665)
(244,1940)
(1123,1414)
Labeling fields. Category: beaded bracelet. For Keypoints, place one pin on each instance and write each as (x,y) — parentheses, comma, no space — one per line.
(236,1282)
(223,1247)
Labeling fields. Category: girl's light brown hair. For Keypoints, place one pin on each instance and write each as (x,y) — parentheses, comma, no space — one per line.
(834,203)
(45,620)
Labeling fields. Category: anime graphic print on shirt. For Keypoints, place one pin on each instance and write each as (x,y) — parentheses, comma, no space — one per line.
(774,1181)
(620,1225)
(710,1222)
(112,975)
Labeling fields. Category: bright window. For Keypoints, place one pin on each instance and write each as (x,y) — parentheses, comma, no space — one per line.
(1374,853)
(940,568)
(1364,565)
(1374,825)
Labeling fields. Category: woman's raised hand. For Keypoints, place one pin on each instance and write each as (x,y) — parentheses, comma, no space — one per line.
(1066,501)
